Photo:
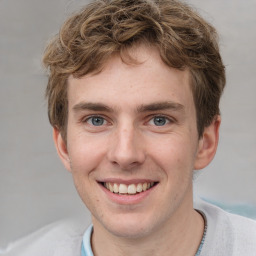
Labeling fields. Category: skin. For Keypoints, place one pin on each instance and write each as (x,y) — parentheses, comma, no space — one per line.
(130,146)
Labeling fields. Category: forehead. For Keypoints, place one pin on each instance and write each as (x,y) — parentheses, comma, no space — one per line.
(143,81)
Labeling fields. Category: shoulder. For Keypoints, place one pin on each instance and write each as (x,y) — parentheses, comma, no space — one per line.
(244,231)
(62,238)
(227,234)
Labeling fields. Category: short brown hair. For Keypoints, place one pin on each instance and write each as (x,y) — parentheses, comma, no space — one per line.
(106,27)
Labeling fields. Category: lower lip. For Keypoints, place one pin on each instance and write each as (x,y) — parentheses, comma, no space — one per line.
(128,199)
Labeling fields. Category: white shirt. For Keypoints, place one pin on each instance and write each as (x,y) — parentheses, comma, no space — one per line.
(227,235)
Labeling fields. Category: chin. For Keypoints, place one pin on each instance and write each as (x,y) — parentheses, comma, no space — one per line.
(129,232)
(131,227)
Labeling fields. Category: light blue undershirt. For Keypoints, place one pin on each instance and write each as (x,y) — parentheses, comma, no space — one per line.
(86,249)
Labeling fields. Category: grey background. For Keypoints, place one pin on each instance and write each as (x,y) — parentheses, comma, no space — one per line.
(34,187)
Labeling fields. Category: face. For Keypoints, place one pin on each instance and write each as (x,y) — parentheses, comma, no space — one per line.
(132,144)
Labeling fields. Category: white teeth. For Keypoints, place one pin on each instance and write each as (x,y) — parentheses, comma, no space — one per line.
(111,188)
(144,186)
(116,190)
(123,189)
(139,187)
(130,189)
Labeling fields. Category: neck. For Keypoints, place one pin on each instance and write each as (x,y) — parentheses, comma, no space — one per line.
(181,235)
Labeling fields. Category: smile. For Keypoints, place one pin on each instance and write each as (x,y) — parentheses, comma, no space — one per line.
(130,189)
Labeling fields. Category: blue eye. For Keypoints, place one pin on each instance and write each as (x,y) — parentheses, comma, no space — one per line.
(159,120)
(96,120)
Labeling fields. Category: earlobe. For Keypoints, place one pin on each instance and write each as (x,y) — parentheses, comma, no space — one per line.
(61,148)
(208,144)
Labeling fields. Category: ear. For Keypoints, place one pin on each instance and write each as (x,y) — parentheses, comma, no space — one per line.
(61,147)
(208,144)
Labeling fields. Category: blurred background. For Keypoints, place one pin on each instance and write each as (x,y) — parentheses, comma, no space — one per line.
(36,190)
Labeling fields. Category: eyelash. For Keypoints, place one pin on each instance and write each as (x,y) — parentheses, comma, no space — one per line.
(167,120)
(86,120)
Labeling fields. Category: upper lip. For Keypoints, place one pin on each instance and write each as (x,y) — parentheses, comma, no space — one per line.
(127,182)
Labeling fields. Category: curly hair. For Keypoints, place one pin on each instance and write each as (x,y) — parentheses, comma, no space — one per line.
(106,27)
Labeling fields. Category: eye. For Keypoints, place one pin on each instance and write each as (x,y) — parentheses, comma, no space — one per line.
(96,120)
(159,121)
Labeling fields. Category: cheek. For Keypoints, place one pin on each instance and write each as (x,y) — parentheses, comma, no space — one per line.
(85,153)
(175,155)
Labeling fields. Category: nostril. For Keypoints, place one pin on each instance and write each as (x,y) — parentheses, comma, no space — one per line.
(126,166)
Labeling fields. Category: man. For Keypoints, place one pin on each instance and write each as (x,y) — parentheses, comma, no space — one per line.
(133,97)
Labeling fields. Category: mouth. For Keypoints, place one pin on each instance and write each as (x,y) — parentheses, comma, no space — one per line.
(128,189)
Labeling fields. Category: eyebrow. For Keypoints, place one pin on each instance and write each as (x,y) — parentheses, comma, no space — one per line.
(92,106)
(157,106)
(169,105)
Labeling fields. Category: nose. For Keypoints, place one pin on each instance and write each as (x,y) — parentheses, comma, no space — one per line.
(126,148)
